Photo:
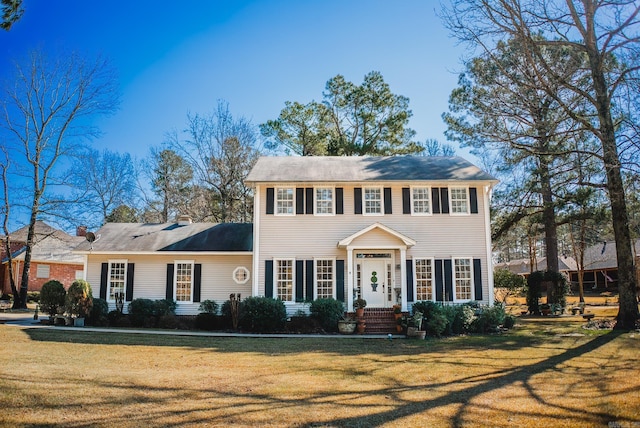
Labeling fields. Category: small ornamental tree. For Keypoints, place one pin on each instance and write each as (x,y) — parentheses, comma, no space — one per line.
(79,299)
(52,297)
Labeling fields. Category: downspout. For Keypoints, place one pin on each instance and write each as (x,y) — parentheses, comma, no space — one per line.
(487,225)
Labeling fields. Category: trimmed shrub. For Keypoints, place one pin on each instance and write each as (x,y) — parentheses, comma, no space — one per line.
(459,317)
(262,314)
(140,311)
(436,324)
(79,299)
(509,321)
(99,313)
(33,296)
(208,306)
(427,308)
(489,319)
(52,297)
(164,307)
(328,312)
(169,321)
(207,321)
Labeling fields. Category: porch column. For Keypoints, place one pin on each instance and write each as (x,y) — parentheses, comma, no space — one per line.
(403,279)
(349,279)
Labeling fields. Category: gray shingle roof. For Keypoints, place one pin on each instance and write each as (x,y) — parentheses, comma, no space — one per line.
(364,168)
(152,237)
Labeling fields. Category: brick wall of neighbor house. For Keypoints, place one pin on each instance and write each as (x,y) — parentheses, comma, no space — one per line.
(65,273)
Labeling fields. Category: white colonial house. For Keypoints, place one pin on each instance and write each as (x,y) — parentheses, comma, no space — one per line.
(391,230)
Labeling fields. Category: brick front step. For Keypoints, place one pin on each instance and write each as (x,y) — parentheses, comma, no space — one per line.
(378,320)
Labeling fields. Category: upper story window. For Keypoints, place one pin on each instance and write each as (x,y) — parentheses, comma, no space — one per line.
(117,278)
(421,200)
(424,279)
(324,201)
(372,200)
(462,279)
(459,200)
(183,282)
(284,280)
(285,201)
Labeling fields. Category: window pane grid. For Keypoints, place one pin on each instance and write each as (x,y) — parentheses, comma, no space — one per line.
(183,282)
(284,201)
(421,200)
(424,279)
(116,279)
(284,280)
(324,278)
(324,201)
(459,200)
(372,201)
(463,279)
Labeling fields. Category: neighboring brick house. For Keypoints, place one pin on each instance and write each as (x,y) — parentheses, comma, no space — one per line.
(51,257)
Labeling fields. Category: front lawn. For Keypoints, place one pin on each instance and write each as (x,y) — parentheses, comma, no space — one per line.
(539,374)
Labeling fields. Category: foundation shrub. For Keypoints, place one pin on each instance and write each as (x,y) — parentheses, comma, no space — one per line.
(489,319)
(328,312)
(99,313)
(140,311)
(52,297)
(263,315)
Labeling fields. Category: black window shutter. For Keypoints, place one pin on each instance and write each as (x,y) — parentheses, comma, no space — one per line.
(444,200)
(473,199)
(169,288)
(340,280)
(435,200)
(357,200)
(309,280)
(439,282)
(477,279)
(309,200)
(406,200)
(197,282)
(410,281)
(448,280)
(128,294)
(299,200)
(299,280)
(268,278)
(103,280)
(387,201)
(270,200)
(339,200)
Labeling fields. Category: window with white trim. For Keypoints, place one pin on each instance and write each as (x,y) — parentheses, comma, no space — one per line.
(423,270)
(241,275)
(421,200)
(325,278)
(463,275)
(42,271)
(284,280)
(372,200)
(285,201)
(324,200)
(117,278)
(459,197)
(183,281)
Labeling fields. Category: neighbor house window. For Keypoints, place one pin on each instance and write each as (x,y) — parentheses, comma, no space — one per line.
(459,200)
(372,200)
(324,279)
(285,201)
(241,275)
(284,279)
(183,281)
(424,279)
(42,271)
(324,200)
(117,278)
(421,200)
(462,278)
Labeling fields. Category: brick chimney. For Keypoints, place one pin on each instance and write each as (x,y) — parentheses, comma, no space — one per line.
(81,231)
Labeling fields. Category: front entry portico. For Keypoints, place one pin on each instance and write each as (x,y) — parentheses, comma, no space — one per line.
(374,256)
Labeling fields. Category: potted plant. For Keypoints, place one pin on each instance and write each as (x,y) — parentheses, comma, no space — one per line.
(397,313)
(359,305)
(79,301)
(414,325)
(545,309)
(347,325)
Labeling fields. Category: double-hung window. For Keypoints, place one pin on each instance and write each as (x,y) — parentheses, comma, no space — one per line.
(325,279)
(183,281)
(463,275)
(117,278)
(424,279)
(459,200)
(372,200)
(284,279)
(285,201)
(421,200)
(324,201)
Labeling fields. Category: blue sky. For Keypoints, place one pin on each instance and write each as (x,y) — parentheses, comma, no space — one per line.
(179,57)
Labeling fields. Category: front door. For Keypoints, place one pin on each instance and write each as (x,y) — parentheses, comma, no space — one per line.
(374,281)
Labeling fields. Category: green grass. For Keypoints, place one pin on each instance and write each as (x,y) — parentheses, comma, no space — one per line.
(540,374)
